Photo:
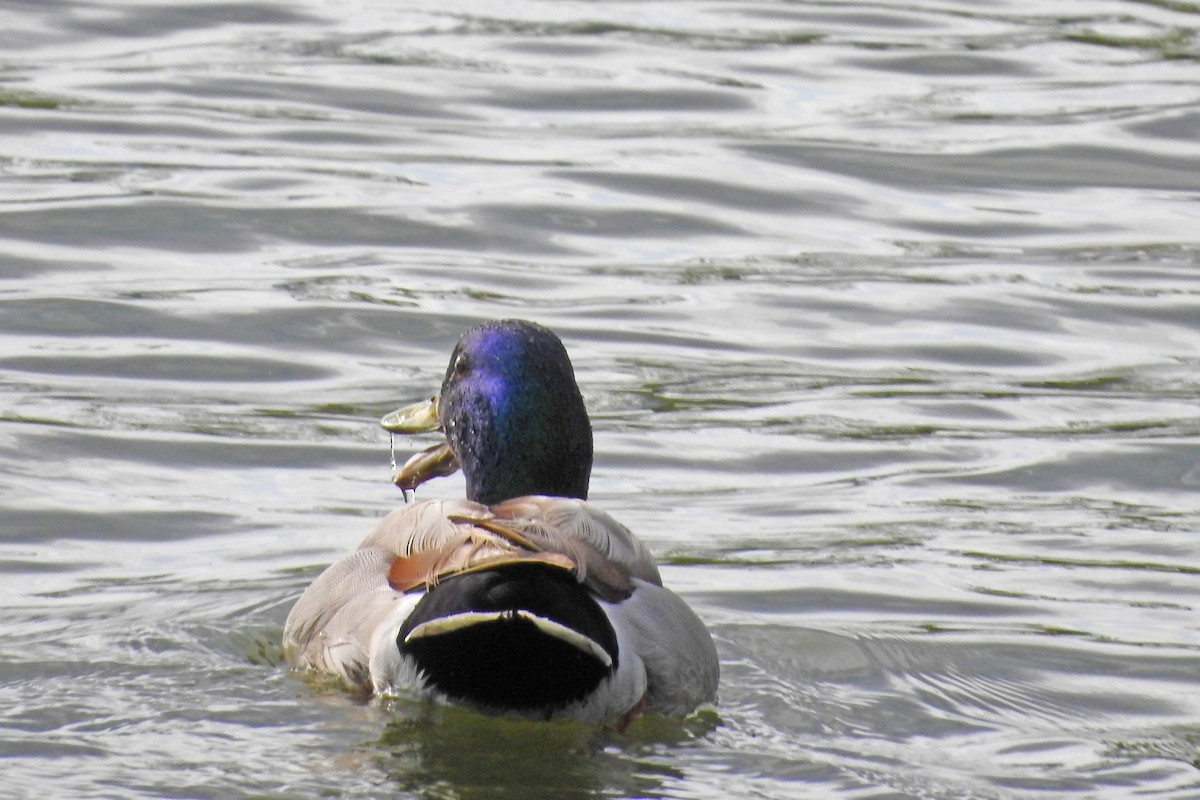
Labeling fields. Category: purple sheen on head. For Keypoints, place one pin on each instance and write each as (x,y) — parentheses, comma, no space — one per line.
(513,413)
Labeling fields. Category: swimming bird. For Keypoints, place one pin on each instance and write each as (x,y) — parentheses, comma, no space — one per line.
(523,598)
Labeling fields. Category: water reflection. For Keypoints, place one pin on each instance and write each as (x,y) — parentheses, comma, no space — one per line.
(436,751)
(886,316)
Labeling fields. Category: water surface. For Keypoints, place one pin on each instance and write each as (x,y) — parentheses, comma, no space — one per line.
(888,318)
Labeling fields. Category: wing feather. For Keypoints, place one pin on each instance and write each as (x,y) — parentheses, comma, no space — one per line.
(568,520)
(333,625)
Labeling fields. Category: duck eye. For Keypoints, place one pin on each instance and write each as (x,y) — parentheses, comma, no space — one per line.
(461,364)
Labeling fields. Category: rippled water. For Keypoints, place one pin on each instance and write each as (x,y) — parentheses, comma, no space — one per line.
(888,317)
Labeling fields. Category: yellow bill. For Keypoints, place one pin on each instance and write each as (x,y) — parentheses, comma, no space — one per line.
(418,418)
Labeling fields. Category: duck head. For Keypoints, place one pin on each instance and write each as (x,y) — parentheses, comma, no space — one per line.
(512,414)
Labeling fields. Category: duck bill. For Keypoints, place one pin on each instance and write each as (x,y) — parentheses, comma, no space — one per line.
(432,462)
(418,418)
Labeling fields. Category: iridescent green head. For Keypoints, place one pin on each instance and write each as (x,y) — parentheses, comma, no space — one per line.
(513,414)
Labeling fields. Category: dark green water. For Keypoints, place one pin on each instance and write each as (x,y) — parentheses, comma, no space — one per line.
(888,318)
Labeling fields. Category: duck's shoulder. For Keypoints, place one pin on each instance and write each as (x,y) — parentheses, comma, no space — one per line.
(421,526)
(559,524)
(579,520)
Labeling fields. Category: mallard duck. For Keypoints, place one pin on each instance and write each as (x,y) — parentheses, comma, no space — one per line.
(523,598)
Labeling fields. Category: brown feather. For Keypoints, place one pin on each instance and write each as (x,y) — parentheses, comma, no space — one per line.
(412,572)
(508,532)
(424,570)
(592,568)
